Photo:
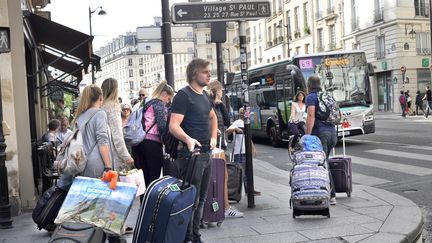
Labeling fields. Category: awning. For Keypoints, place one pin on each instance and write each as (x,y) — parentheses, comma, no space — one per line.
(62,48)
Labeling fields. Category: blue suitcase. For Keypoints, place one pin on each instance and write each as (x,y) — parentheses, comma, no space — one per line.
(165,211)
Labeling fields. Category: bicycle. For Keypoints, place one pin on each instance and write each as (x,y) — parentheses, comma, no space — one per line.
(294,149)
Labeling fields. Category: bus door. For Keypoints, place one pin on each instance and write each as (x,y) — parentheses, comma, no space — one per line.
(284,97)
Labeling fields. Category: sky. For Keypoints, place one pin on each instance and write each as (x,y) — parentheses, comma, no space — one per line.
(122,16)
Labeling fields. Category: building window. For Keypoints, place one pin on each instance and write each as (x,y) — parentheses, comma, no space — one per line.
(332,36)
(330,7)
(297,50)
(279,57)
(255,56)
(130,73)
(209,53)
(148,48)
(307,48)
(141,72)
(260,53)
(319,9)
(208,38)
(130,61)
(288,23)
(421,8)
(296,19)
(269,40)
(254,34)
(320,37)
(380,47)
(354,19)
(423,43)
(141,61)
(259,32)
(189,34)
(379,11)
(305,16)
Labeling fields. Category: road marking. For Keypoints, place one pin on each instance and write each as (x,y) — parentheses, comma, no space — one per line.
(429,148)
(402,168)
(390,143)
(386,152)
(368,180)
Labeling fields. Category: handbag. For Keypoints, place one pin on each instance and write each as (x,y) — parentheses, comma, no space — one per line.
(136,177)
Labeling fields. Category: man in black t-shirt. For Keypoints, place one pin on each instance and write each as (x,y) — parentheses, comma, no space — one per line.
(428,97)
(194,123)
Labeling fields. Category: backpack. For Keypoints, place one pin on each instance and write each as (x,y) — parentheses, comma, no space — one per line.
(328,110)
(72,159)
(402,99)
(169,141)
(134,131)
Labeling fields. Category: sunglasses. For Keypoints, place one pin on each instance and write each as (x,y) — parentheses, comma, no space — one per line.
(127,109)
(143,95)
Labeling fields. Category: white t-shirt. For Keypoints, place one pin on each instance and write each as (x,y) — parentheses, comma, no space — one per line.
(238,138)
(61,136)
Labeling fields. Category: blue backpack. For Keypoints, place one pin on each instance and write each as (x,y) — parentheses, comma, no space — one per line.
(310,143)
(134,132)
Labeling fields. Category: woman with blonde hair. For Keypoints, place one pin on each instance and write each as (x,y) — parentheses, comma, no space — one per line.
(121,156)
(148,154)
(92,123)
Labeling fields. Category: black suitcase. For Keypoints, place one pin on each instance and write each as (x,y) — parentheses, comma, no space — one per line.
(235,179)
(341,170)
(47,208)
(78,232)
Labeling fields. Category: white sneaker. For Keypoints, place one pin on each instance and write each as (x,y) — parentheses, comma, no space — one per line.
(232,212)
(333,201)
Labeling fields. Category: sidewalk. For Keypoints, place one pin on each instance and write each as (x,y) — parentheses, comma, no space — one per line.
(370,215)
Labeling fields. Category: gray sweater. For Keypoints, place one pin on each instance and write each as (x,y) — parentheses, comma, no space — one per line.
(95,133)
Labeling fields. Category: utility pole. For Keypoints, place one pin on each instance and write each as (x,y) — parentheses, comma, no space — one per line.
(247,133)
(166,43)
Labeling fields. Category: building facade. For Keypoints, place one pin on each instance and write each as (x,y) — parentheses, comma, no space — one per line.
(394,35)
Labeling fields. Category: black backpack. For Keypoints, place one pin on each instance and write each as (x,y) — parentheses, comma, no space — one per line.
(170,142)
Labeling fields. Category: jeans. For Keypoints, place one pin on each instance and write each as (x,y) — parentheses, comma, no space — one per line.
(200,180)
(403,107)
(328,141)
(429,106)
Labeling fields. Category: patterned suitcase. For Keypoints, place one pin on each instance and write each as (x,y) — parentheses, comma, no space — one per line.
(316,158)
(310,190)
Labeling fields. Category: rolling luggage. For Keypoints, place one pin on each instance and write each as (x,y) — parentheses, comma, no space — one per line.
(166,210)
(310,190)
(47,208)
(316,158)
(77,232)
(340,168)
(214,206)
(235,179)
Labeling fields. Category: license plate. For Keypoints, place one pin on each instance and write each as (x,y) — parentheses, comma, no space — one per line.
(346,133)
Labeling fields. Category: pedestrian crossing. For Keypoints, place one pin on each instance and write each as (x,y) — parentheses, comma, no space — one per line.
(390,160)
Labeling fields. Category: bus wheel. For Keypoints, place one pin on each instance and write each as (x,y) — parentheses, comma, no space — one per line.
(274,138)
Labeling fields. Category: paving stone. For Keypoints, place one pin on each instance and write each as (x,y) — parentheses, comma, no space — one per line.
(226,232)
(401,220)
(379,212)
(373,226)
(274,238)
(332,232)
(391,198)
(383,238)
(356,238)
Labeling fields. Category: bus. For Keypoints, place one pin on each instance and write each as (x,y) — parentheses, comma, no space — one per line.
(271,88)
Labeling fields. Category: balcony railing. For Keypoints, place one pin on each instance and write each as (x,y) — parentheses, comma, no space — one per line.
(379,15)
(269,44)
(423,51)
(319,15)
(332,46)
(319,48)
(380,55)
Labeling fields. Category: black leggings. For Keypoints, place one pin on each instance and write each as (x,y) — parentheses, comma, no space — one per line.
(148,156)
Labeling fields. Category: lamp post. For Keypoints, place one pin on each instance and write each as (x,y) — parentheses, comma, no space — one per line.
(279,26)
(90,12)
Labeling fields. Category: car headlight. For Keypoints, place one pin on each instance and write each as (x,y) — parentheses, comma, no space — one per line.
(369,117)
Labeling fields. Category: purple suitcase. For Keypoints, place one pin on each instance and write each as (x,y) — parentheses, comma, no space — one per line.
(341,170)
(214,206)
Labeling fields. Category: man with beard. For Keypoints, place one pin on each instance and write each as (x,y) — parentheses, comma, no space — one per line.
(194,123)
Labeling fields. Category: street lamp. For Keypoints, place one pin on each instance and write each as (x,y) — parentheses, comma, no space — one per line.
(279,26)
(90,12)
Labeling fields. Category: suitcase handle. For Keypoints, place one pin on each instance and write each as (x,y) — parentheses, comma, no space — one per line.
(187,180)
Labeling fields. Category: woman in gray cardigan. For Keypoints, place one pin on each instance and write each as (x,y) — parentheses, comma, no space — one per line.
(121,156)
(93,124)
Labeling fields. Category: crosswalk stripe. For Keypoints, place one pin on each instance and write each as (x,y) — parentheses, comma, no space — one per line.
(401,154)
(402,168)
(368,180)
(429,148)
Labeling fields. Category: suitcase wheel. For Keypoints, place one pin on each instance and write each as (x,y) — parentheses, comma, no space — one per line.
(349,194)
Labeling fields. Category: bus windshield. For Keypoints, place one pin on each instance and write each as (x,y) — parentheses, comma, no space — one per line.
(344,76)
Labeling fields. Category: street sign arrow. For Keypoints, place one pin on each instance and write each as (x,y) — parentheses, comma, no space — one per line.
(180,13)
